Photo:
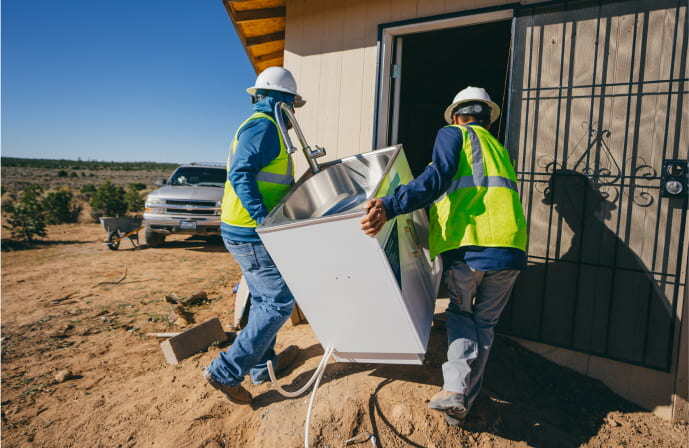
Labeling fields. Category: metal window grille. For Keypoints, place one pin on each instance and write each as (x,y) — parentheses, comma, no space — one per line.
(598,99)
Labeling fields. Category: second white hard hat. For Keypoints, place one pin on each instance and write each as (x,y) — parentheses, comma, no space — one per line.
(279,79)
(471,94)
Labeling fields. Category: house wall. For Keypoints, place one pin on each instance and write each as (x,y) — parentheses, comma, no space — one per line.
(331,47)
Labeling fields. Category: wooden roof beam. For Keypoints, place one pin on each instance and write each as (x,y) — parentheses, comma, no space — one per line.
(280,35)
(253,14)
(266,57)
(260,26)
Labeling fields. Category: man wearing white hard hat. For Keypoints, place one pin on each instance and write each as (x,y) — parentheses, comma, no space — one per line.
(259,174)
(477,226)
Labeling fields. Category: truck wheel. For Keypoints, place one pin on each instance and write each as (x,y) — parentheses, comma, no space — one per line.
(154,239)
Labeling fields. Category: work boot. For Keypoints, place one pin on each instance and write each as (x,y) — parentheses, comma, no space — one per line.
(282,363)
(454,421)
(452,404)
(236,394)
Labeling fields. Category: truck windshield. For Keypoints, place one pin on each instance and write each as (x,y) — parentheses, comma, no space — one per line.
(204,177)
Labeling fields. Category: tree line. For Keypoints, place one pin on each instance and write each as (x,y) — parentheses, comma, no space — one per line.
(85,164)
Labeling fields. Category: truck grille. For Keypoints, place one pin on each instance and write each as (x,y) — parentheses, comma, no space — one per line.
(192,203)
(181,211)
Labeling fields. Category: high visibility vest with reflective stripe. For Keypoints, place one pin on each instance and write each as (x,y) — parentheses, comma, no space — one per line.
(481,207)
(274,181)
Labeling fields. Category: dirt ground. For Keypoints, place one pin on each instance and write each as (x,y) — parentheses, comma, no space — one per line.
(56,317)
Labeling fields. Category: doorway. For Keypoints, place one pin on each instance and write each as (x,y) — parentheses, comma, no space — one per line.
(431,67)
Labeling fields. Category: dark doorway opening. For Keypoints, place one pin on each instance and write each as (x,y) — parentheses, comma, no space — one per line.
(435,66)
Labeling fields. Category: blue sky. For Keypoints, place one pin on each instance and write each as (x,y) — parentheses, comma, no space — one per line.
(127,80)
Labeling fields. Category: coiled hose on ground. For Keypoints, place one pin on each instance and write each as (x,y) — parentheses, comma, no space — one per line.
(316,377)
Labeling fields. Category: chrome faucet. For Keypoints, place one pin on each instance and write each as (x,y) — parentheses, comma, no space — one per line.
(311,154)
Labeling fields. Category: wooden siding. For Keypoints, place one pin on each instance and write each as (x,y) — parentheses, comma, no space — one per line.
(331,47)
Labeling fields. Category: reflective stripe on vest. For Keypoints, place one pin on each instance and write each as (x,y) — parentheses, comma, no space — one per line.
(481,206)
(283,179)
(274,181)
(477,178)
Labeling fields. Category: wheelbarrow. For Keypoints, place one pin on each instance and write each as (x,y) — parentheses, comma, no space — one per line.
(119,228)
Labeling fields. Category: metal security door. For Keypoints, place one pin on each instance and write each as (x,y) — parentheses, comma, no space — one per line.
(598,100)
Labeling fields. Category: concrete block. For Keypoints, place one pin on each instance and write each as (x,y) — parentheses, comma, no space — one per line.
(297,316)
(192,341)
(241,301)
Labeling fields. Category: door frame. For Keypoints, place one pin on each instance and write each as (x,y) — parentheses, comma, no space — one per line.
(386,89)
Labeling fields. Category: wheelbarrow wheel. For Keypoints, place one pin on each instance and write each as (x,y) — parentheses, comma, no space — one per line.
(113,241)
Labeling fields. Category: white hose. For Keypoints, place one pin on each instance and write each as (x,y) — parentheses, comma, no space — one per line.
(317,375)
(328,352)
(305,387)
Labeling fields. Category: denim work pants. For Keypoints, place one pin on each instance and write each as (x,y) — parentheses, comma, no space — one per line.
(477,299)
(271,305)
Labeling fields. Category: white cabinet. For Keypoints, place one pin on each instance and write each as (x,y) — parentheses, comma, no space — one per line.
(371,298)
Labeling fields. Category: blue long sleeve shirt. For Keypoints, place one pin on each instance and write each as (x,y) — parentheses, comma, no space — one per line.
(434,182)
(258,144)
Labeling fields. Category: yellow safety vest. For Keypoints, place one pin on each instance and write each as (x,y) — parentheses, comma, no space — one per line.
(274,181)
(481,207)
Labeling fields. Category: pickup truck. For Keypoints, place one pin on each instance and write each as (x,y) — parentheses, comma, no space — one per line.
(187,202)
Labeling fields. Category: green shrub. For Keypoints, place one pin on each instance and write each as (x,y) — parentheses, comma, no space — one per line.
(62,173)
(108,200)
(88,190)
(25,214)
(138,186)
(135,203)
(73,174)
(60,208)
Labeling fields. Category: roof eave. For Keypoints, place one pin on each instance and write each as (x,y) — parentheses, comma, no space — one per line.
(260,25)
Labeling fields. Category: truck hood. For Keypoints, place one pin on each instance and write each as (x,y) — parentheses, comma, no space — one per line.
(184,192)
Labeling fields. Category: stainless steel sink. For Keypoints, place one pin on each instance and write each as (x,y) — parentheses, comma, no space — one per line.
(372,299)
(339,187)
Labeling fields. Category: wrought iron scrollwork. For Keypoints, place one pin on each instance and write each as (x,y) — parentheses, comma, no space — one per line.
(598,163)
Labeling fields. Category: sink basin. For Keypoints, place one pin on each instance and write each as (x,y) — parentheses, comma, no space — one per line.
(339,187)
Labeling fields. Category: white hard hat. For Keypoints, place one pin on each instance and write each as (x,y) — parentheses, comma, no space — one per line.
(471,94)
(277,78)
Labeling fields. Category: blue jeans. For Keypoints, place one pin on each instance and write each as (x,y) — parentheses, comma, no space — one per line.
(271,305)
(477,299)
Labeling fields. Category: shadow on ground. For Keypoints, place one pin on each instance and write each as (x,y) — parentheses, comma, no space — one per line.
(8,245)
(196,244)
(525,397)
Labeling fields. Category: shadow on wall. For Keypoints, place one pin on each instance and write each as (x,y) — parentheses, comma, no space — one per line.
(598,297)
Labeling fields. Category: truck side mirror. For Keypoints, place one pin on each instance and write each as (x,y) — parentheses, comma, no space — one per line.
(160,182)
